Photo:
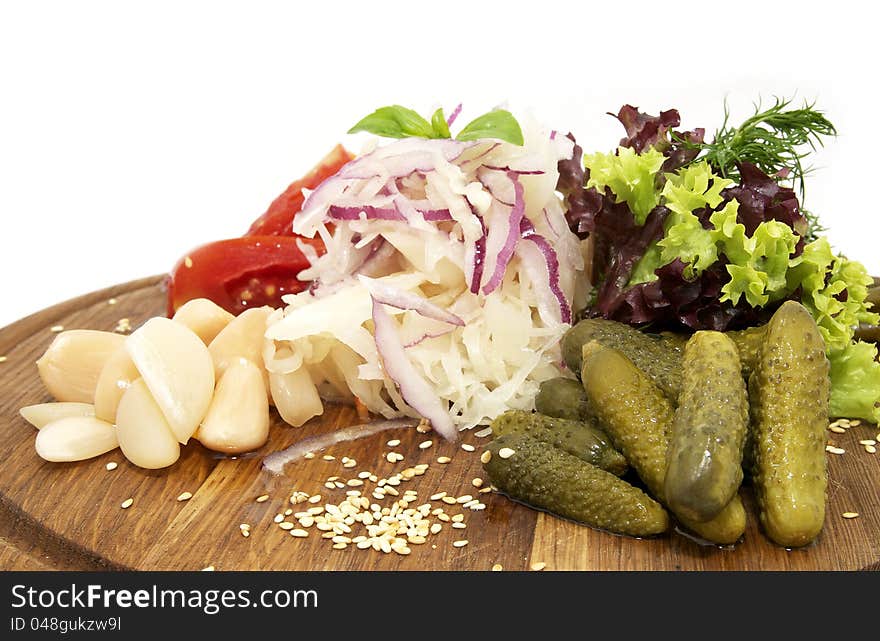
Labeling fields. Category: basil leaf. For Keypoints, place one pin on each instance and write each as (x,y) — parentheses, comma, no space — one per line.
(395,122)
(438,122)
(498,124)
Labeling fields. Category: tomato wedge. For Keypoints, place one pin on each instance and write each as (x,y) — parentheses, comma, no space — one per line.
(240,273)
(278,219)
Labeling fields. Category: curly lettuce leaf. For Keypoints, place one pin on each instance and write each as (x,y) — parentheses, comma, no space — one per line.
(687,240)
(694,187)
(630,177)
(855,382)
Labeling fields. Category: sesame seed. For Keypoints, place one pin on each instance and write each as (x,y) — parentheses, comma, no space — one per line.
(286,525)
(850,515)
(486,431)
(870,449)
(435,528)
(837,430)
(244,526)
(309,455)
(443,517)
(460,544)
(288,512)
(464,499)
(855,423)
(278,518)
(188,262)
(450,500)
(834,450)
(467,447)
(485,457)
(315,499)
(393,442)
(350,464)
(477,482)
(438,496)
(126,504)
(354,483)
(208,568)
(506,452)
(184,496)
(425,444)
(328,457)
(2,359)
(245,533)
(868,441)
(423,427)
(483,490)
(458,518)
(314,511)
(338,485)
(443,459)
(459,526)
(262,498)
(300,534)
(111,466)
(537,567)
(364,475)
(497,567)
(56,328)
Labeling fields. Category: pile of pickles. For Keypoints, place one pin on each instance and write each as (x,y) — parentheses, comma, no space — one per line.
(692,417)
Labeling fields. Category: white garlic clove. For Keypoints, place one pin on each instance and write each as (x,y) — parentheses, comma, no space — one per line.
(42,414)
(295,396)
(177,368)
(204,317)
(75,438)
(242,338)
(145,437)
(238,420)
(115,378)
(70,367)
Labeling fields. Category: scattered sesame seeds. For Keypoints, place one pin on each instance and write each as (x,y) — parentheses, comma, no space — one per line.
(450,500)
(123,326)
(836,430)
(477,482)
(184,496)
(870,449)
(300,534)
(112,465)
(423,427)
(393,442)
(315,499)
(3,359)
(459,526)
(460,543)
(328,457)
(850,515)
(855,422)
(438,496)
(350,463)
(286,525)
(394,457)
(467,447)
(834,450)
(485,457)
(278,518)
(126,504)
(506,452)
(262,498)
(443,459)
(436,528)
(309,455)
(868,441)
(56,328)
(426,444)
(113,301)
(497,567)
(188,262)
(208,568)
(486,431)
(537,567)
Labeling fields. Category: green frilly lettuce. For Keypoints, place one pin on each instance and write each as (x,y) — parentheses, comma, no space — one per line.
(630,176)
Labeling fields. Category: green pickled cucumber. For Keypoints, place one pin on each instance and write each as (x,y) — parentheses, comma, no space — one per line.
(658,357)
(704,460)
(550,479)
(575,437)
(638,419)
(789,392)
(563,398)
(748,343)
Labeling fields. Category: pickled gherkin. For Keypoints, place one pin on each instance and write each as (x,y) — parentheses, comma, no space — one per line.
(748,343)
(550,479)
(659,357)
(704,460)
(638,419)
(563,398)
(575,437)
(789,392)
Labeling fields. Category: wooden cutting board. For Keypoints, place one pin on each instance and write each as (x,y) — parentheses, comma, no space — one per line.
(68,516)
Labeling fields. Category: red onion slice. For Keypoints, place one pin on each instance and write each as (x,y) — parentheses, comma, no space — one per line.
(453,115)
(414,389)
(511,235)
(402,299)
(552,261)
(337,212)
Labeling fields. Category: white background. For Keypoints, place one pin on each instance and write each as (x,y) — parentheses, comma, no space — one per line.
(132,132)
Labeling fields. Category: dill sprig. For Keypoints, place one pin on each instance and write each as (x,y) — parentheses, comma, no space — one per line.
(777,140)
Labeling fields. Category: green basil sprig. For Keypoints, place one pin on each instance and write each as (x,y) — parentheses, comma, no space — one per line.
(395,121)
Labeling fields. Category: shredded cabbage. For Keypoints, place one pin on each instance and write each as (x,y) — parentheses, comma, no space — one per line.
(473,228)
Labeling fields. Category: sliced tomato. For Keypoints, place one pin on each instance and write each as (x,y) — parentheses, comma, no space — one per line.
(278,219)
(240,273)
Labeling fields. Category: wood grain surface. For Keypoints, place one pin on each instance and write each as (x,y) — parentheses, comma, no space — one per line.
(68,516)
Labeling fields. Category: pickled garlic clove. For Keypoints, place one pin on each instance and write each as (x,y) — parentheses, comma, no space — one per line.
(204,317)
(115,378)
(71,365)
(42,414)
(238,419)
(145,437)
(75,438)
